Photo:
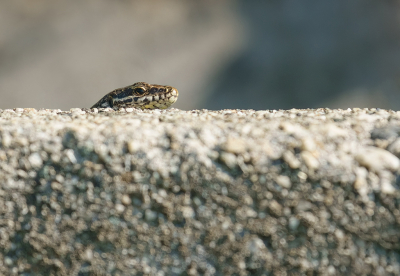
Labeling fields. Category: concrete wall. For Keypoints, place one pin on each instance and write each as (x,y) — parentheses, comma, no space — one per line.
(230,192)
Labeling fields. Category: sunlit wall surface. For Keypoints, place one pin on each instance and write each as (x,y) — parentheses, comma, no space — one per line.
(219,54)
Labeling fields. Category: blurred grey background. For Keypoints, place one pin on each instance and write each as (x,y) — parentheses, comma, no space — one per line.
(219,54)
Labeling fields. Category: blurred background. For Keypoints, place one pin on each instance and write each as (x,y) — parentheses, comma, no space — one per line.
(219,54)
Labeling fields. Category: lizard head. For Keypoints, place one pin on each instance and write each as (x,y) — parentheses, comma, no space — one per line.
(145,96)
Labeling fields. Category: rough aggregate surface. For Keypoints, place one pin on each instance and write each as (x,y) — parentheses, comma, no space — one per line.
(172,192)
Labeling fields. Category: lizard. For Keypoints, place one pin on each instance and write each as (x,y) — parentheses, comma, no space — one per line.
(140,95)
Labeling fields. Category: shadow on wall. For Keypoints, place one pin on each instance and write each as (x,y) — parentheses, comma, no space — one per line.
(309,54)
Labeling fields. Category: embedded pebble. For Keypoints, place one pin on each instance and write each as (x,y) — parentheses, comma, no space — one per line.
(120,208)
(35,160)
(361,183)
(376,159)
(284,181)
(229,159)
(294,223)
(126,200)
(199,192)
(310,160)
(150,215)
(234,145)
(291,159)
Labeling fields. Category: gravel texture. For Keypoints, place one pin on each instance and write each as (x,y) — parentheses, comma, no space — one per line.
(172,192)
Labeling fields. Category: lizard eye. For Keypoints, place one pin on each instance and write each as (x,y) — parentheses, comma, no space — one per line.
(140,90)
